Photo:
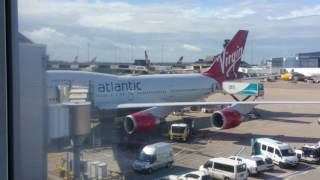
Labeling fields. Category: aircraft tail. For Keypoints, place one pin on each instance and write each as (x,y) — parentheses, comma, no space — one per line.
(225,66)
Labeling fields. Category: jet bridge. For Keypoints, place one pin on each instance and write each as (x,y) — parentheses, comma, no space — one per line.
(69,120)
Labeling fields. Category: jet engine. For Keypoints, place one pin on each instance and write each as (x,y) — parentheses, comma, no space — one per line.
(146,120)
(226,118)
(140,122)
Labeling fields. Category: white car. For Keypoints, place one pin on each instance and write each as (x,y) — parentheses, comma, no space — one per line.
(267,162)
(255,165)
(194,175)
(169,177)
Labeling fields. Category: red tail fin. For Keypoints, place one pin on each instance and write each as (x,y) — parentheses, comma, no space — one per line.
(226,65)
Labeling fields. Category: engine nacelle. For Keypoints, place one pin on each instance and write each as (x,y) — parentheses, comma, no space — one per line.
(226,118)
(140,122)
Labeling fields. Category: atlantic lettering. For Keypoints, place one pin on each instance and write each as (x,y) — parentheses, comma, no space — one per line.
(119,86)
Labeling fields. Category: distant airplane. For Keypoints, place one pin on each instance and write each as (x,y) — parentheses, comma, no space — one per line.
(180,60)
(159,95)
(301,73)
(93,60)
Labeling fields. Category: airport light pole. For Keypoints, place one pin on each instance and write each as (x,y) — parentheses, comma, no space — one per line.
(88,52)
(131,46)
(162,53)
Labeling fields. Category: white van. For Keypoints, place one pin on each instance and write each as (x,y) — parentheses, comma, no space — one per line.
(281,153)
(225,168)
(153,157)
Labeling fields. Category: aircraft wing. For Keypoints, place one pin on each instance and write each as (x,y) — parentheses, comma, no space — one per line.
(184,104)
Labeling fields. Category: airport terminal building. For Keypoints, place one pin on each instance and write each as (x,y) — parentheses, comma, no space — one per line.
(301,60)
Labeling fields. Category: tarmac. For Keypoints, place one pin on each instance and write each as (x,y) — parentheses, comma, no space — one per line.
(293,124)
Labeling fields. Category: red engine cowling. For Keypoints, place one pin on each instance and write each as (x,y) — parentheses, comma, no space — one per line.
(226,118)
(140,122)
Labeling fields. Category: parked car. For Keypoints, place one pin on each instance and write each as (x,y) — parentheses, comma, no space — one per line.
(254,165)
(194,175)
(169,177)
(269,166)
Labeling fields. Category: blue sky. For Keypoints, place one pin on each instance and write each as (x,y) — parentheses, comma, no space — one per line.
(122,30)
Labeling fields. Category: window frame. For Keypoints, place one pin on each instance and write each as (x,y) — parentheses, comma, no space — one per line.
(269,147)
(264,147)
(16,150)
(223,167)
(279,153)
(3,96)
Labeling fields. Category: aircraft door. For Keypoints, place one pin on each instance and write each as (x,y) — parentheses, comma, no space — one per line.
(277,156)
(130,95)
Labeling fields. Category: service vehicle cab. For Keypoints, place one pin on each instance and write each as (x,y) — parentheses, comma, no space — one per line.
(225,168)
(255,165)
(153,157)
(309,153)
(281,153)
(181,131)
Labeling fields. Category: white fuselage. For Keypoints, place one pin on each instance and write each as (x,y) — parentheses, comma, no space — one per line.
(308,72)
(108,91)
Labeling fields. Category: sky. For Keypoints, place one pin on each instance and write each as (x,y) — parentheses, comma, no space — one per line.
(120,31)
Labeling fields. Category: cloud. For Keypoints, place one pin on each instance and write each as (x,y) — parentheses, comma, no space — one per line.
(235,11)
(59,45)
(66,24)
(304,12)
(190,47)
(107,21)
(53,37)
(128,46)
(45,35)
(240,14)
(136,18)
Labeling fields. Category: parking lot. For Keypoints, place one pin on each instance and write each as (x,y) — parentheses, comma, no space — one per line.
(293,124)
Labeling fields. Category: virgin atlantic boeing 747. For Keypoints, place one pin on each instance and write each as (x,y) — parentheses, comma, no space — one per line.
(159,95)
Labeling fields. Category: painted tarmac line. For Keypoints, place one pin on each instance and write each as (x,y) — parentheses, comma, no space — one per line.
(307,170)
(188,159)
(289,175)
(295,173)
(183,149)
(183,159)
